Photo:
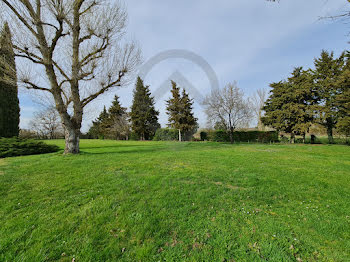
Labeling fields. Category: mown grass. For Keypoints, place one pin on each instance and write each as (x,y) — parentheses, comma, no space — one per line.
(162,201)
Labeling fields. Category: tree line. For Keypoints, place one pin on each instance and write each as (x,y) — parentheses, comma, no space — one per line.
(142,120)
(312,96)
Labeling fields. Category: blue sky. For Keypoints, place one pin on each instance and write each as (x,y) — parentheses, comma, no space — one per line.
(252,42)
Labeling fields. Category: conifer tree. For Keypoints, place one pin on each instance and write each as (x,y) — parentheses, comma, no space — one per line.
(144,117)
(302,101)
(326,74)
(290,106)
(189,123)
(100,125)
(179,110)
(174,109)
(343,100)
(118,125)
(9,103)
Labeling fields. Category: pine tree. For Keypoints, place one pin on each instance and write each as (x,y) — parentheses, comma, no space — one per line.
(327,72)
(343,100)
(174,109)
(189,123)
(99,126)
(9,103)
(118,125)
(144,117)
(290,106)
(302,101)
(275,114)
(180,115)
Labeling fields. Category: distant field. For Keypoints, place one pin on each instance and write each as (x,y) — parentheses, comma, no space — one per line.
(168,201)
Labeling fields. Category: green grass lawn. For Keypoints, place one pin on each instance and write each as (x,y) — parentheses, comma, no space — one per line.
(168,201)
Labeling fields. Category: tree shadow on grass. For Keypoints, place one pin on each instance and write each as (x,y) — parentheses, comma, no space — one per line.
(123,152)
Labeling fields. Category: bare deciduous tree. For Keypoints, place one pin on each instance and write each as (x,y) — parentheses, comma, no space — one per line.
(258,102)
(228,107)
(76,45)
(47,124)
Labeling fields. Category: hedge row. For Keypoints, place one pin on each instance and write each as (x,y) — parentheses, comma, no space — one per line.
(10,147)
(240,136)
(166,134)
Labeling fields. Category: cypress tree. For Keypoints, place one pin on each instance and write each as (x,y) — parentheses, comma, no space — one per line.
(180,115)
(144,117)
(9,103)
(326,74)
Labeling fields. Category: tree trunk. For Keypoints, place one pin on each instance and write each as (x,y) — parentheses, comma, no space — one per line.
(72,141)
(330,134)
(292,138)
(231,135)
(180,138)
(304,135)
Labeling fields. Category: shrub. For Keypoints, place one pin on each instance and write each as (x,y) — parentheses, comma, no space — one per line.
(219,136)
(10,147)
(243,136)
(166,134)
(204,136)
(133,136)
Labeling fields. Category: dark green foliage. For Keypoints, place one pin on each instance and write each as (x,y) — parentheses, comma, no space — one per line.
(112,124)
(99,126)
(117,126)
(326,77)
(219,136)
(204,136)
(133,136)
(180,112)
(319,96)
(9,103)
(244,136)
(144,117)
(343,100)
(10,147)
(290,105)
(166,134)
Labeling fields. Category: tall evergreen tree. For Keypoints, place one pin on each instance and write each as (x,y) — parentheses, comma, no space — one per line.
(327,73)
(99,126)
(343,100)
(143,115)
(188,122)
(118,125)
(303,100)
(290,106)
(174,109)
(9,103)
(179,110)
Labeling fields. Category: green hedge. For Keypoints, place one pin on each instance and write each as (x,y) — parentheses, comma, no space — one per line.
(166,134)
(243,136)
(10,147)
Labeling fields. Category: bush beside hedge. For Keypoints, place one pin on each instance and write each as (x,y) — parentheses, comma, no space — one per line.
(242,136)
(166,134)
(10,147)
